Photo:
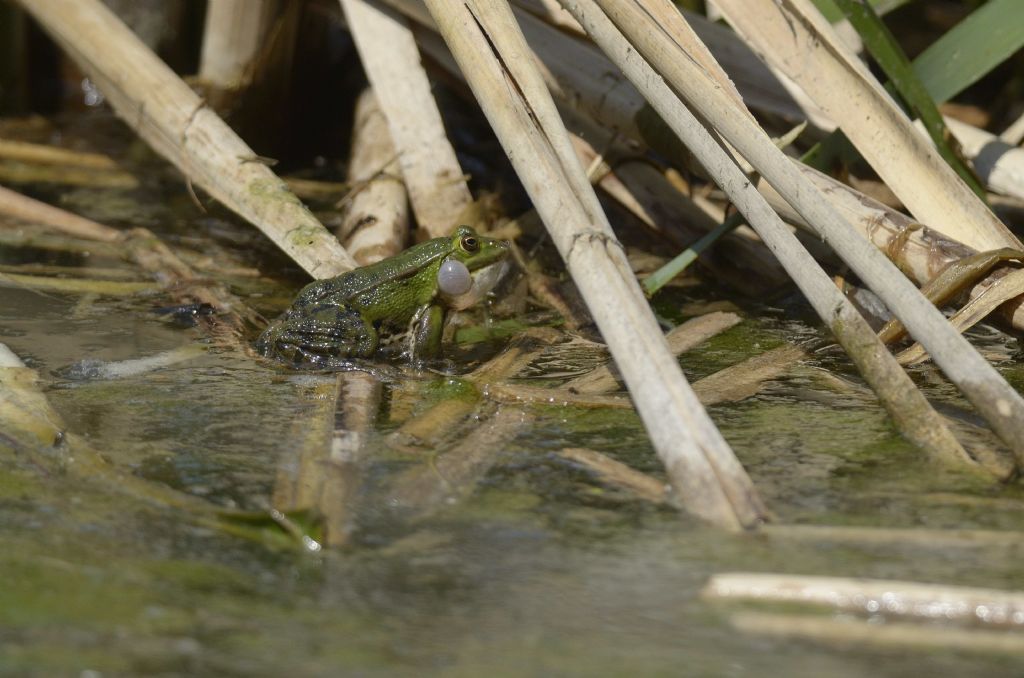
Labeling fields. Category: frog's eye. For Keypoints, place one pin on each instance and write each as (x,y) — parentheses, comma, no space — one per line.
(470,243)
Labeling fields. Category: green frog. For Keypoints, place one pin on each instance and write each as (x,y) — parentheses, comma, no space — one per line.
(334,320)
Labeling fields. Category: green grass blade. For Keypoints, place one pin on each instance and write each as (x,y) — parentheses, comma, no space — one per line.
(972,48)
(682,261)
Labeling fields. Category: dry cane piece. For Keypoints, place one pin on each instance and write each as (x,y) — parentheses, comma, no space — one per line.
(165,112)
(499,67)
(1001,406)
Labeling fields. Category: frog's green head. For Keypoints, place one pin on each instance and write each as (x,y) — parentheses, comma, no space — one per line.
(467,274)
(476,251)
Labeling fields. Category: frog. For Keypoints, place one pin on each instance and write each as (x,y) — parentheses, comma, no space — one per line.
(335,320)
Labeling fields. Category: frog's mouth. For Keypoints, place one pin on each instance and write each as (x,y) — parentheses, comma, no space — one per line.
(484,280)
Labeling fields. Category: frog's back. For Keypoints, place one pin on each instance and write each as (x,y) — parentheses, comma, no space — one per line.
(369,285)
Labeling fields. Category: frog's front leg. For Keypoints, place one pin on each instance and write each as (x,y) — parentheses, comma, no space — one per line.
(428,324)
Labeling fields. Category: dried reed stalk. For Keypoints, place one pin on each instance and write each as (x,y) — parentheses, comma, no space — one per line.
(387,48)
(743,380)
(587,390)
(23,208)
(111,288)
(1000,404)
(500,69)
(921,253)
(23,151)
(794,37)
(930,602)
(27,173)
(376,222)
(582,80)
(1014,132)
(740,259)
(178,125)
(908,408)
(899,537)
(235,32)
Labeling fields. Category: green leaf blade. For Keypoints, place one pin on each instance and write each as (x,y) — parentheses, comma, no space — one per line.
(971,49)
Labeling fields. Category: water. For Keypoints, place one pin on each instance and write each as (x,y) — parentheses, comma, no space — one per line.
(539,571)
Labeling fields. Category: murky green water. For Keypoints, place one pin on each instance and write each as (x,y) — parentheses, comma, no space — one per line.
(539,571)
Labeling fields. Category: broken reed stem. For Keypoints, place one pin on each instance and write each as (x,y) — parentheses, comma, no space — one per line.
(26,173)
(28,209)
(28,163)
(1001,406)
(499,67)
(387,48)
(920,252)
(742,380)
(22,151)
(376,221)
(996,293)
(437,421)
(929,602)
(999,163)
(905,404)
(165,112)
(110,288)
(233,36)
(732,384)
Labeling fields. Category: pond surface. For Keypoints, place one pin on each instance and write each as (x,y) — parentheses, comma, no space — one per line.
(537,570)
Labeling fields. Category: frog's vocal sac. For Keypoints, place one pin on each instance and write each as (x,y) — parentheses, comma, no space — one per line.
(334,320)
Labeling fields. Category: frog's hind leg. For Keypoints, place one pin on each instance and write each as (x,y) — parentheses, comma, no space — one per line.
(325,337)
